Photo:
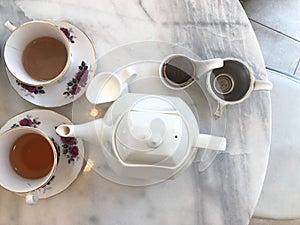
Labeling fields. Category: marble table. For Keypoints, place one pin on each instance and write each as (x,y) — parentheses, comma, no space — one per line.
(280,193)
(222,189)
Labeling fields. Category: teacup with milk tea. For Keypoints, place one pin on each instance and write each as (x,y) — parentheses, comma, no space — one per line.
(36,53)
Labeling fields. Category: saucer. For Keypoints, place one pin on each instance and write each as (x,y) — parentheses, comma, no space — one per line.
(145,58)
(69,164)
(73,84)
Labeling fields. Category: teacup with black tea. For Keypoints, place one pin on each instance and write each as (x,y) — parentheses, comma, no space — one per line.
(28,160)
(31,156)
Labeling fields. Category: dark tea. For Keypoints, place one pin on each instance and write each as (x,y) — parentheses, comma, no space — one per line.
(179,71)
(223,84)
(44,58)
(31,156)
(231,82)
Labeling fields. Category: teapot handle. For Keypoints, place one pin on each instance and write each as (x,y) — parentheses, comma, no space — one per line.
(210,142)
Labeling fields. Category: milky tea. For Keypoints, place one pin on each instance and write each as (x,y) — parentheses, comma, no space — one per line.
(44,58)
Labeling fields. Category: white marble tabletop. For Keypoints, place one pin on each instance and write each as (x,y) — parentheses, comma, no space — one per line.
(224,191)
(280,193)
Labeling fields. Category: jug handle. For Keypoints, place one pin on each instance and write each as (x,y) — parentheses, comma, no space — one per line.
(263,85)
(211,142)
(127,75)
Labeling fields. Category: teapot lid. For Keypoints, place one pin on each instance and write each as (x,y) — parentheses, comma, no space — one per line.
(151,132)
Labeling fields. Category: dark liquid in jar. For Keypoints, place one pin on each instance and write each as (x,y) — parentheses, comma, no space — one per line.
(31,156)
(179,70)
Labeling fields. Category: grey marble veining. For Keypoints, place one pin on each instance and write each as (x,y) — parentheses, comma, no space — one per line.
(227,191)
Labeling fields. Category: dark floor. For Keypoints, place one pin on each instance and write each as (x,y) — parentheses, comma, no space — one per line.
(276,24)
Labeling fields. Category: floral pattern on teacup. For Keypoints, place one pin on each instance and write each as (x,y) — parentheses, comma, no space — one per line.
(68,33)
(47,186)
(28,121)
(31,89)
(68,144)
(70,148)
(78,81)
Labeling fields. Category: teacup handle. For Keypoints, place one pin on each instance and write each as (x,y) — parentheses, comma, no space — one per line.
(262,85)
(204,66)
(9,25)
(210,142)
(127,75)
(32,197)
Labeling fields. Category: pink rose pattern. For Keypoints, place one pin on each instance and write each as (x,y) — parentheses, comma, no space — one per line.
(68,144)
(70,148)
(28,121)
(79,81)
(31,89)
(72,89)
(68,34)
(46,186)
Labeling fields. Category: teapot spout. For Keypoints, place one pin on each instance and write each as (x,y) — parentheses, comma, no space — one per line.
(90,131)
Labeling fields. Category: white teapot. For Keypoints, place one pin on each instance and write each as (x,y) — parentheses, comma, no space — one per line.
(146,136)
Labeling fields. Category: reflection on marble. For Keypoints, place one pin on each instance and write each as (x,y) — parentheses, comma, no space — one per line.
(226,193)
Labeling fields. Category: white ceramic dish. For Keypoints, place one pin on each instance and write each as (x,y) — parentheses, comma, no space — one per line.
(152,136)
(70,162)
(147,81)
(73,84)
(145,57)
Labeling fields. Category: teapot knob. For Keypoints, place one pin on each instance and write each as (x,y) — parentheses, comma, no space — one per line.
(155,141)
(158,128)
